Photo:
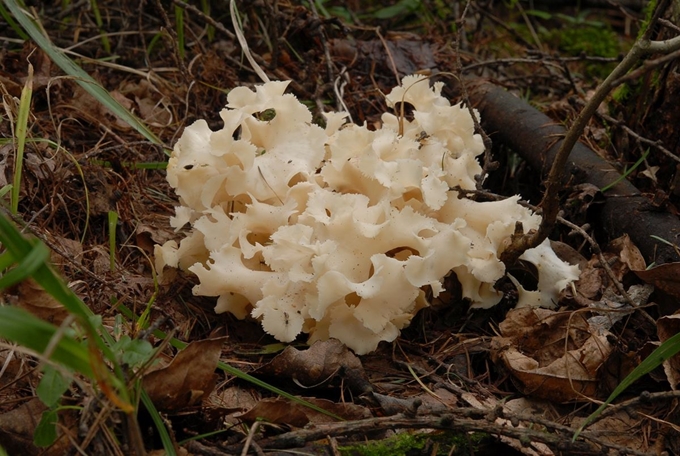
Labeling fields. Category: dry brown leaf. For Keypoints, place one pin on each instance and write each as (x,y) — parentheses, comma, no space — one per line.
(590,284)
(346,410)
(277,411)
(41,167)
(284,411)
(29,295)
(188,379)
(18,426)
(541,332)
(149,101)
(567,253)
(318,365)
(393,405)
(144,238)
(70,248)
(439,402)
(91,109)
(623,428)
(630,258)
(665,277)
(594,283)
(550,355)
(668,327)
(237,398)
(101,261)
(407,52)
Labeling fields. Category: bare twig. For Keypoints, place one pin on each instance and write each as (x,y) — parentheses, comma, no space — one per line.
(595,247)
(555,61)
(645,397)
(646,67)
(550,203)
(658,145)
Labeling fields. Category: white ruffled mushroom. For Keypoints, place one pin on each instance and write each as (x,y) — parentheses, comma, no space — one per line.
(336,232)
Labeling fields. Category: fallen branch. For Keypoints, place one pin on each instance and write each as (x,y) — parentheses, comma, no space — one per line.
(556,436)
(532,134)
(554,182)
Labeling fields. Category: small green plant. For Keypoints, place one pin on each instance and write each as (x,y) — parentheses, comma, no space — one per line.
(399,445)
(665,351)
(588,39)
(626,172)
(80,347)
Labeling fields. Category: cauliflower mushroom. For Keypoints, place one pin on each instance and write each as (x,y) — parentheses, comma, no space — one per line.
(337,232)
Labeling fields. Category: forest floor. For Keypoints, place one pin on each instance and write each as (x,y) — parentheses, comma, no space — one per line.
(447,385)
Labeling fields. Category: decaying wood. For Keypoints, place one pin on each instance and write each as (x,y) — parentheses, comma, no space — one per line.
(556,436)
(537,138)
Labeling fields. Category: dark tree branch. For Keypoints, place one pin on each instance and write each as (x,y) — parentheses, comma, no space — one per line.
(550,203)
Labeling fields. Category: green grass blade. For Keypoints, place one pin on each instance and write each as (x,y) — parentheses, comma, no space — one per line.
(106,44)
(626,173)
(10,21)
(81,77)
(6,260)
(179,26)
(5,190)
(23,328)
(210,31)
(35,334)
(20,247)
(21,132)
(665,351)
(168,445)
(113,223)
(28,265)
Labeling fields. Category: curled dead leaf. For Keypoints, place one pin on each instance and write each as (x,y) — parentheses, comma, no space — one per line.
(276,411)
(628,253)
(29,295)
(284,411)
(188,379)
(550,354)
(665,277)
(318,365)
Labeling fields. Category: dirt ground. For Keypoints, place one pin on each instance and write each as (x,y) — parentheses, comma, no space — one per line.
(456,381)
